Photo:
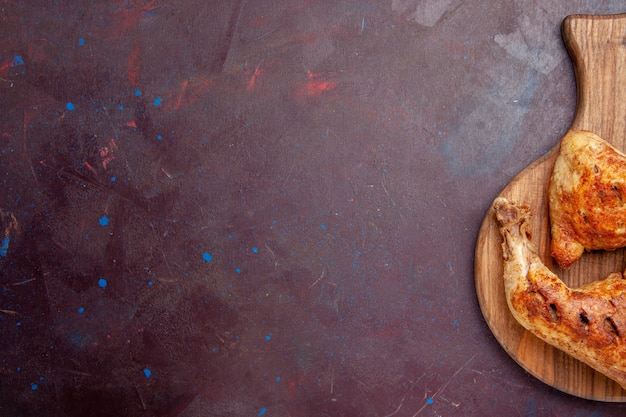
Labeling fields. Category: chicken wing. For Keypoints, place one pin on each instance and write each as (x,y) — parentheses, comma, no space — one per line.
(588,323)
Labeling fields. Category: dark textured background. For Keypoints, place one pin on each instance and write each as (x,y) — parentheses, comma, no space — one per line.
(282,198)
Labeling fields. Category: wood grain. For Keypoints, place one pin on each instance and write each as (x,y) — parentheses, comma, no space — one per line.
(597,48)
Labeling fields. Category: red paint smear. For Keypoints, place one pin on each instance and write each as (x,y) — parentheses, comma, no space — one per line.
(4,67)
(181,94)
(127,17)
(186,94)
(256,73)
(106,153)
(92,169)
(316,87)
(133,65)
(257,22)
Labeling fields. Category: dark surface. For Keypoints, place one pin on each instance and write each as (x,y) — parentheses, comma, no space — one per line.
(285,216)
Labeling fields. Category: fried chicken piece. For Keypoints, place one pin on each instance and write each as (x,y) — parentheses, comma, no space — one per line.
(588,323)
(587,197)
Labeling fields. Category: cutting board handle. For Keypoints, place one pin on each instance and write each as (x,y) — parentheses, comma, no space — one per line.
(597,47)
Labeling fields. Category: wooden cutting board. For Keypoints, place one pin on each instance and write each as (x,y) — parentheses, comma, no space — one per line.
(597,47)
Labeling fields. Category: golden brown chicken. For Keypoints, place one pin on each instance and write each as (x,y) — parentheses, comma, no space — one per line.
(587,197)
(588,323)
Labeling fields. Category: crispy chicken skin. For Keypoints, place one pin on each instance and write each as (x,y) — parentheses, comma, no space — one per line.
(588,323)
(587,197)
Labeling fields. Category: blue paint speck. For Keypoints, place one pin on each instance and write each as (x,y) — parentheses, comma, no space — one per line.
(34,386)
(81,310)
(255,249)
(268,337)
(70,106)
(81,41)
(430,400)
(18,324)
(102,283)
(150,283)
(157,101)
(17,61)
(277,379)
(263,411)
(238,270)
(323,227)
(113,179)
(104,220)
(137,92)
(159,137)
(207,257)
(531,407)
(4,248)
(147,372)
